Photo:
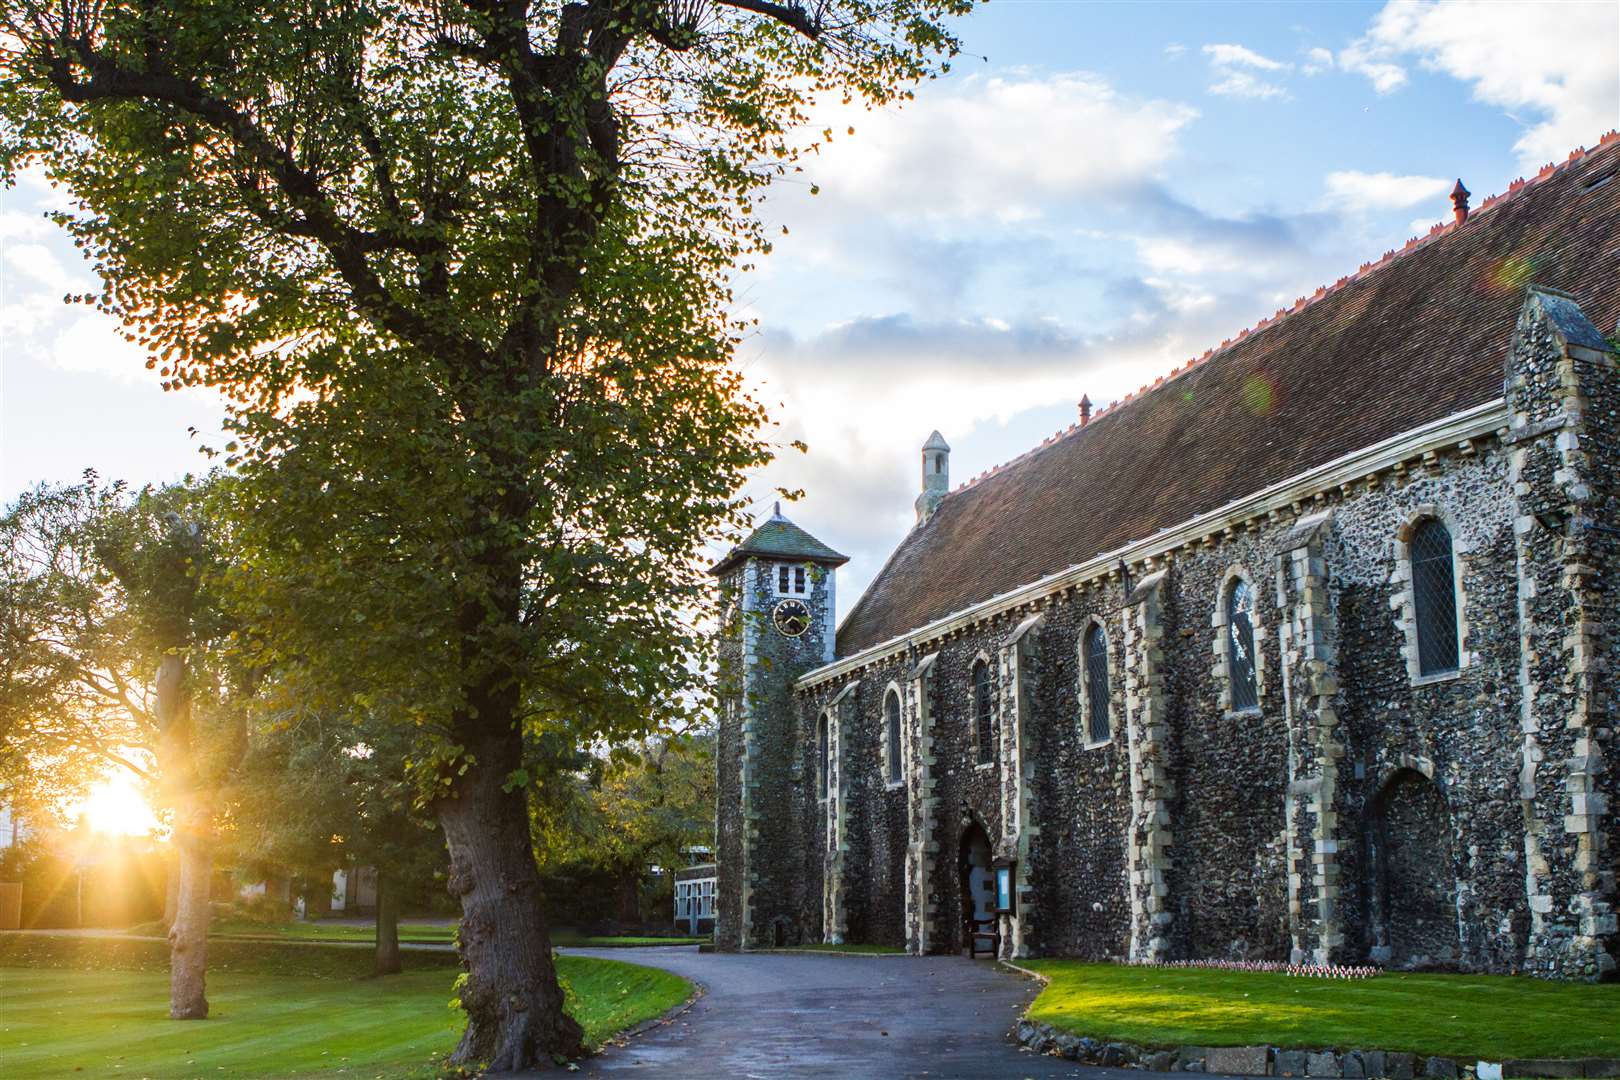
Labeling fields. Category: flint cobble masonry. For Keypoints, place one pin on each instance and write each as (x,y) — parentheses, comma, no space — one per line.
(1362,807)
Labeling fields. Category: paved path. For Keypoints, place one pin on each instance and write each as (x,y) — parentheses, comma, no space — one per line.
(774,1015)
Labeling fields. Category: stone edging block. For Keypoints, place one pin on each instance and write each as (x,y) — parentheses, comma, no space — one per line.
(1304,1064)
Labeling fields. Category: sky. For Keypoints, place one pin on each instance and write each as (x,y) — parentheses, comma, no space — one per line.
(1094,194)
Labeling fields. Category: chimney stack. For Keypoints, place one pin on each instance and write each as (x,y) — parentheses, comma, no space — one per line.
(936,476)
(1459,201)
(1085,410)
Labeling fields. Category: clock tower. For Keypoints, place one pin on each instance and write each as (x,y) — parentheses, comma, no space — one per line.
(778,607)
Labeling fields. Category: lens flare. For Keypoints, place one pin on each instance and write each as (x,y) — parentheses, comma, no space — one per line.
(116,807)
(1259,395)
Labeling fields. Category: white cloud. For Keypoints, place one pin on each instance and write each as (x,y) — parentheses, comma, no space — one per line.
(1556,65)
(1372,60)
(1357,190)
(1317,60)
(1244,85)
(996,148)
(1241,56)
(91,343)
(1174,49)
(1553,69)
(1234,67)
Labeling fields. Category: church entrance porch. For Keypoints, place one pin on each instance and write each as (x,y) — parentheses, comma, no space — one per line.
(1413,878)
(978,890)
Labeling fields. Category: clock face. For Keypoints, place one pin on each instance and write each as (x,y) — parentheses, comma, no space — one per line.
(791,617)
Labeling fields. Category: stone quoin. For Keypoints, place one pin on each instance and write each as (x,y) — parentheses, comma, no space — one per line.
(1308,652)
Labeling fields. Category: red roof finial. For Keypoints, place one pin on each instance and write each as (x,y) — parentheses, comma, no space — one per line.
(1459,201)
(1085,410)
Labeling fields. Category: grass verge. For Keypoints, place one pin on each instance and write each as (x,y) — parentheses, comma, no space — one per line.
(1492,1017)
(99,1006)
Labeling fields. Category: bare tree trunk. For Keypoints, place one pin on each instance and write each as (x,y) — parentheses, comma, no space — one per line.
(188,934)
(630,896)
(515,1017)
(387,926)
(171,889)
(193,821)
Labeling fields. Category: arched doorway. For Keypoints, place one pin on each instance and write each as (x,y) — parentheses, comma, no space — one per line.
(977,880)
(1413,889)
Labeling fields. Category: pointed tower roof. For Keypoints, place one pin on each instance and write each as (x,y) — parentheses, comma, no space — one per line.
(936,441)
(779,538)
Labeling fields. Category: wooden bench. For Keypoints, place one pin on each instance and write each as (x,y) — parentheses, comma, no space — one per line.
(982,931)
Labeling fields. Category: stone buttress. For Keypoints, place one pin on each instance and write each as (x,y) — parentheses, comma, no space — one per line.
(1563,394)
(1018,762)
(923,934)
(1147,729)
(1313,800)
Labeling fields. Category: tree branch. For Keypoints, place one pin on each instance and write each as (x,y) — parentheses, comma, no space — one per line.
(790,15)
(347,245)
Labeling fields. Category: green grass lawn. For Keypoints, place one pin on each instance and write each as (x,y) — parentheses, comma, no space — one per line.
(1492,1017)
(410,932)
(100,1006)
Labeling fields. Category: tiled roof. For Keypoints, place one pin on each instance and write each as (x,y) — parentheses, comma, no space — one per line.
(1415,337)
(780,538)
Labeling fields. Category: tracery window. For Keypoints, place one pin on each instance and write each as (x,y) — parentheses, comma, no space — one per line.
(1096,674)
(982,726)
(891,728)
(1434,597)
(1240,645)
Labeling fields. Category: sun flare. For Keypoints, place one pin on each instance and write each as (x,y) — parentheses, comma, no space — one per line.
(115,806)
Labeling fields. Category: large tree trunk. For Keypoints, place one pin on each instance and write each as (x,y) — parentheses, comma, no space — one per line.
(515,1017)
(387,926)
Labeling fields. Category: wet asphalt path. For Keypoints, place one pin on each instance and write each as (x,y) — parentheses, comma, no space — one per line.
(770,1015)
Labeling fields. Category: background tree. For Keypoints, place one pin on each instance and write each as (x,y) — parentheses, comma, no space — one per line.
(117,655)
(317,795)
(647,805)
(464,270)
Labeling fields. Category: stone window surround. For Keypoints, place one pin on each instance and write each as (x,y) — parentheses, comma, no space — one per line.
(1084,695)
(1404,603)
(1223,666)
(891,781)
(973,713)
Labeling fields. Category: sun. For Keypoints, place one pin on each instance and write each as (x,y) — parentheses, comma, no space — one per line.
(116,807)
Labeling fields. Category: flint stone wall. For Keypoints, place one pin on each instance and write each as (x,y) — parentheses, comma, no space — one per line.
(1360,811)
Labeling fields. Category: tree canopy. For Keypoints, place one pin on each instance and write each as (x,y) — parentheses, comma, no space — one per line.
(463,270)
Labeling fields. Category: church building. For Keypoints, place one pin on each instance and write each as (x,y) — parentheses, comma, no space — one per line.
(1308,651)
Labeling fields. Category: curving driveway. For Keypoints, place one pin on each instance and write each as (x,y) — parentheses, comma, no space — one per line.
(772,1015)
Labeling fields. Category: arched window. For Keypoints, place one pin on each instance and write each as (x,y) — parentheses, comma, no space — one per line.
(1096,668)
(823,772)
(891,729)
(981,712)
(1434,598)
(1240,645)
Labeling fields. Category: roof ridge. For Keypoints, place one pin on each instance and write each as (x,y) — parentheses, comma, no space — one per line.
(1440,228)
